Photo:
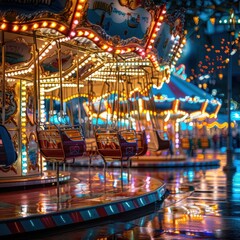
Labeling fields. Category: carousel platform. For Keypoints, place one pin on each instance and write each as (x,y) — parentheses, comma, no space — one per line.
(157,160)
(181,160)
(46,178)
(147,161)
(88,197)
(85,197)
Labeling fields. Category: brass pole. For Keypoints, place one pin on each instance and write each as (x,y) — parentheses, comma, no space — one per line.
(3,78)
(78,91)
(36,84)
(60,76)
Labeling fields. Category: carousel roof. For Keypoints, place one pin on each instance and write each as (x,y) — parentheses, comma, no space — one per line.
(69,43)
(188,97)
(178,88)
(96,39)
(177,99)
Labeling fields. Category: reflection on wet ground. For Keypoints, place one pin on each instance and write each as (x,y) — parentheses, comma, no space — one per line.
(84,190)
(203,203)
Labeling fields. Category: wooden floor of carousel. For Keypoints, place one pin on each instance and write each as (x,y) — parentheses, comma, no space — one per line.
(87,196)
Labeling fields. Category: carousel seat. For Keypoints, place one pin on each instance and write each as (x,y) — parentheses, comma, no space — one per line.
(155,142)
(91,146)
(61,143)
(110,153)
(185,143)
(108,144)
(128,143)
(116,145)
(163,144)
(142,143)
(204,143)
(8,155)
(128,149)
(190,145)
(91,149)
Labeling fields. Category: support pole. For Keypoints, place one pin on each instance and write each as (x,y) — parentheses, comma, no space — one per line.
(60,76)
(58,185)
(229,164)
(3,79)
(78,91)
(36,83)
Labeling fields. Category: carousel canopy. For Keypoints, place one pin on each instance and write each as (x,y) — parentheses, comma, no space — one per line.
(185,97)
(72,44)
(96,39)
(177,99)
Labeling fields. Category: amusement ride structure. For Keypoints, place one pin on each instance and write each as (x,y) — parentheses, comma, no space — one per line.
(80,78)
(60,56)
(89,71)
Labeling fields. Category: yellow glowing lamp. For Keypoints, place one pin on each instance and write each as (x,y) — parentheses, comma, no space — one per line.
(196,19)
(3,26)
(79,7)
(24,27)
(91,35)
(62,28)
(15,28)
(78,14)
(35,25)
(53,25)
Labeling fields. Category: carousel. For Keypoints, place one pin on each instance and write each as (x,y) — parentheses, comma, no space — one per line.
(58,59)
(68,73)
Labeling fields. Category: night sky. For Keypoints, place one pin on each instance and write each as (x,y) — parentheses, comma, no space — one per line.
(195,52)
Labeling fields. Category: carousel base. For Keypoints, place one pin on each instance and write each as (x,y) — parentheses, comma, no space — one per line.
(85,197)
(156,160)
(200,160)
(48,177)
(89,197)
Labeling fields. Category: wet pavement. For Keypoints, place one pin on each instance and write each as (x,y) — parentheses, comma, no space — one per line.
(204,203)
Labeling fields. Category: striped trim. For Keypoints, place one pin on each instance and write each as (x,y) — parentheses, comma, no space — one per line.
(57,219)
